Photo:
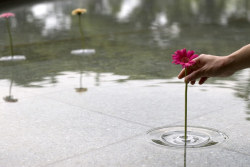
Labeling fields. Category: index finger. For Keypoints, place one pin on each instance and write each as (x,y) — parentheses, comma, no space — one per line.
(182,74)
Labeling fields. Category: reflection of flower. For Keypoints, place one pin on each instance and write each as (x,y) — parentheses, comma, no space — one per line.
(184,58)
(7,15)
(79,11)
(10,99)
(81,90)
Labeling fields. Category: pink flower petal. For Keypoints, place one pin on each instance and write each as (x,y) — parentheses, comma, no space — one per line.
(184,52)
(7,15)
(184,58)
(193,56)
(190,53)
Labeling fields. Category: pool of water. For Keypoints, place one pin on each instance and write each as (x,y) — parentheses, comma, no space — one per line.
(62,109)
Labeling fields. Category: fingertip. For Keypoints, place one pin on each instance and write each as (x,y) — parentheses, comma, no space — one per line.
(202,80)
(180,77)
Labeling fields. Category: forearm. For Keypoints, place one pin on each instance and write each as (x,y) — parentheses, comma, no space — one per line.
(217,66)
(240,59)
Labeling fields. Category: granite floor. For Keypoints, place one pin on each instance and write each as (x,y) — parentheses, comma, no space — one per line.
(54,126)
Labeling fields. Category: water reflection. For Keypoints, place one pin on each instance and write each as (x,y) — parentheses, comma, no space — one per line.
(80,64)
(127,8)
(240,82)
(51,17)
(243,89)
(10,97)
(104,7)
(81,89)
(185,154)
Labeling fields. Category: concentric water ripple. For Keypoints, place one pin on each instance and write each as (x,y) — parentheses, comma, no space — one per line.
(196,136)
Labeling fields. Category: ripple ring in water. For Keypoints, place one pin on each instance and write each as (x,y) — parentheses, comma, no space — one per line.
(197,137)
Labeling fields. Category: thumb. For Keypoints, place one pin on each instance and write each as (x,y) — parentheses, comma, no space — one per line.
(190,69)
(197,63)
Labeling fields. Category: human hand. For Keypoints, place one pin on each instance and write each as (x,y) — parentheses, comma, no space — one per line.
(207,66)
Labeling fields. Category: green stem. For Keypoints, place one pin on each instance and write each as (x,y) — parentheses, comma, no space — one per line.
(186,87)
(185,154)
(80,29)
(10,37)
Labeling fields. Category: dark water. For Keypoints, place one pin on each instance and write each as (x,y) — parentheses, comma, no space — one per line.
(133,38)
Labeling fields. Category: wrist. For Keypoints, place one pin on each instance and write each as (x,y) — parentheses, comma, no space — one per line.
(229,65)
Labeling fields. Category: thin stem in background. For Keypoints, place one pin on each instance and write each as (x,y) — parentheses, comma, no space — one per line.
(10,37)
(80,29)
(186,87)
(11,83)
(80,79)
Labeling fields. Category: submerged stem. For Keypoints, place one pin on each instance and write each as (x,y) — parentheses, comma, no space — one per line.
(186,87)
(80,29)
(10,37)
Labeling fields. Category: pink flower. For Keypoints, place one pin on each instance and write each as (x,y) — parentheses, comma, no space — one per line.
(184,58)
(7,15)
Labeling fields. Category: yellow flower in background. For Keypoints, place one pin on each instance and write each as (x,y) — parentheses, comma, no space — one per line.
(79,11)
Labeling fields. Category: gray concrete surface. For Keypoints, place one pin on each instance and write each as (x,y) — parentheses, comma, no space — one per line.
(106,126)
